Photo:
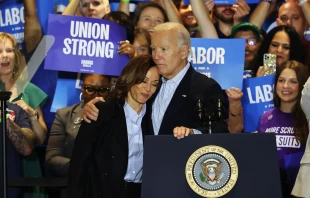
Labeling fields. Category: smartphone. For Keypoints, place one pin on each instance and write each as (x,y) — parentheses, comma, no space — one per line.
(270,61)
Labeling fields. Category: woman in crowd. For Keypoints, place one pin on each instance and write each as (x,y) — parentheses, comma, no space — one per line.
(104,147)
(94,9)
(26,95)
(123,19)
(282,41)
(67,123)
(149,16)
(302,183)
(142,42)
(287,121)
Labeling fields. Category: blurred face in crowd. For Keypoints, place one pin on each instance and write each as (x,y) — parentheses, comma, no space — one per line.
(187,15)
(141,46)
(291,14)
(95,85)
(7,57)
(167,52)
(251,44)
(94,8)
(280,45)
(141,92)
(287,87)
(224,13)
(149,18)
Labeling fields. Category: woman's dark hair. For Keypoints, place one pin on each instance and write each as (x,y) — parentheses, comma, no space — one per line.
(296,47)
(124,20)
(133,73)
(149,5)
(301,129)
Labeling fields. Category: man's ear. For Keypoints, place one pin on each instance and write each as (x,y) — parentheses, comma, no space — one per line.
(185,51)
(278,21)
(108,9)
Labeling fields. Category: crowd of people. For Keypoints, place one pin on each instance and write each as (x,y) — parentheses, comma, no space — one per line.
(157,93)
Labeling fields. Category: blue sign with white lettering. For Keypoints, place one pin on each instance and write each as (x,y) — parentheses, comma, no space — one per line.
(86,45)
(257,99)
(220,59)
(12,21)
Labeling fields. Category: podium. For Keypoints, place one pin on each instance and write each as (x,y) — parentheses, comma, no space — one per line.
(165,159)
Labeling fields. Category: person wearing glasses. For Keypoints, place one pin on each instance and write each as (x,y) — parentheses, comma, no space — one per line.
(251,34)
(67,123)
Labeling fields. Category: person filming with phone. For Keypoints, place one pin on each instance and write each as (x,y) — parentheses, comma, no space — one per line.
(285,43)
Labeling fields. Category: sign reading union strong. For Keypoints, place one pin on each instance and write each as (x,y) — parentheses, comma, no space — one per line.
(211,171)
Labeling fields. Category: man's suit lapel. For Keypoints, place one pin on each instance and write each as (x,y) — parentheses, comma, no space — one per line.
(179,98)
(120,127)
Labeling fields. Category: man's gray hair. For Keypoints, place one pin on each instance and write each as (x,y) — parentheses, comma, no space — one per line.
(183,36)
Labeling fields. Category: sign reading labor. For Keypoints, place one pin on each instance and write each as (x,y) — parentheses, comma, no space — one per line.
(85,45)
(220,59)
(257,99)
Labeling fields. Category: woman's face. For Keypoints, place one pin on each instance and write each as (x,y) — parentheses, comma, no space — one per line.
(94,8)
(141,92)
(140,49)
(7,57)
(95,85)
(149,18)
(287,87)
(280,45)
(187,15)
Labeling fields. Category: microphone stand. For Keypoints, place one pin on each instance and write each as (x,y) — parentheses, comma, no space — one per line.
(4,96)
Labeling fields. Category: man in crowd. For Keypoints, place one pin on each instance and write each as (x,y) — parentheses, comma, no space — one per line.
(229,15)
(251,35)
(175,103)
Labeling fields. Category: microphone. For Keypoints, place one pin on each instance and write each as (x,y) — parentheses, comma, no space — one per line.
(200,112)
(219,108)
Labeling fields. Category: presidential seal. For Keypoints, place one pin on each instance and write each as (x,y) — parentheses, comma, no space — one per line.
(211,171)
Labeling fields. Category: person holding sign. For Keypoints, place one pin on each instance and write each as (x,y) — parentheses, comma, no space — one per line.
(284,42)
(107,159)
(302,183)
(287,121)
(88,8)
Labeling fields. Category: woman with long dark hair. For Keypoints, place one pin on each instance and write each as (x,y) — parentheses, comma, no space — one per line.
(287,121)
(283,41)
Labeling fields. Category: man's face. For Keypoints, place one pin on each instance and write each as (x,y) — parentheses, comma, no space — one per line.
(95,8)
(251,45)
(290,14)
(224,13)
(169,57)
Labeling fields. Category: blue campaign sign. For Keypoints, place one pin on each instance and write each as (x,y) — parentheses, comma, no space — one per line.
(257,99)
(68,91)
(220,59)
(12,21)
(225,1)
(85,45)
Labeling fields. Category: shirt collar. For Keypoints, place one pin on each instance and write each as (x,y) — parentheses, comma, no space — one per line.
(132,114)
(177,79)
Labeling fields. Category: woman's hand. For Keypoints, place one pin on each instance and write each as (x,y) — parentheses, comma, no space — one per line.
(22,104)
(126,48)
